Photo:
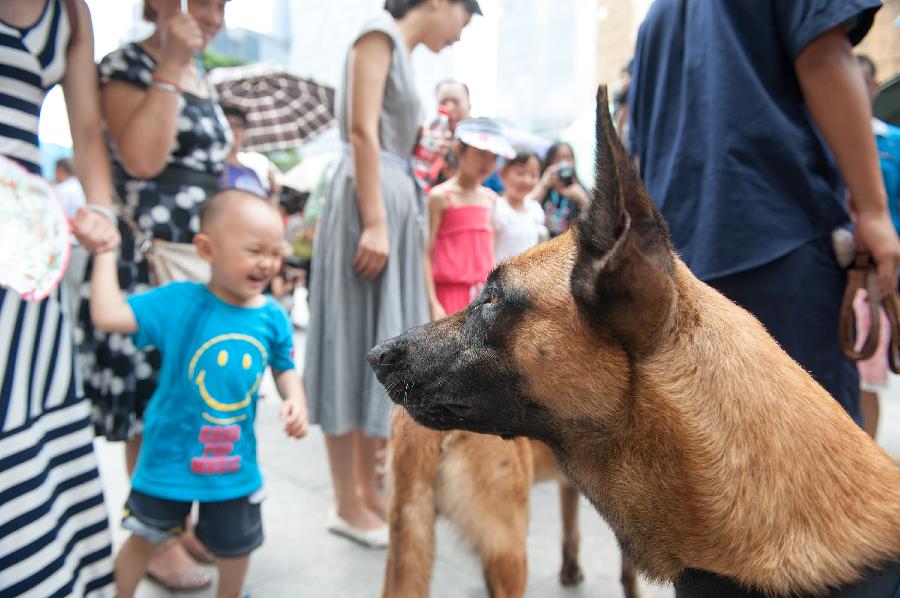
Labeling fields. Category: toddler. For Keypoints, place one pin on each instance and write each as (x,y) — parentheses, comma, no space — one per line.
(461,253)
(216,341)
(518,217)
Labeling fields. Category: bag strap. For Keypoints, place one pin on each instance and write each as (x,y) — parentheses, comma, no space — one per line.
(143,240)
(73,22)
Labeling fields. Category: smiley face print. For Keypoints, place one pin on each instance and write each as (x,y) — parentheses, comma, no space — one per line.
(226,372)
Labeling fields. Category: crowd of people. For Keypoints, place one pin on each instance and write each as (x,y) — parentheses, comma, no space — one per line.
(747,163)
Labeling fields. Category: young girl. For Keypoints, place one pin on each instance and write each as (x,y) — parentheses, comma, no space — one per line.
(518,217)
(461,252)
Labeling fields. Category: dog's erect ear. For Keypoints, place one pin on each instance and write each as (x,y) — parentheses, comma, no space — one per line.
(622,278)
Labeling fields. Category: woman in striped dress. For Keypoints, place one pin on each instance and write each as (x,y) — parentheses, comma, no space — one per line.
(54,538)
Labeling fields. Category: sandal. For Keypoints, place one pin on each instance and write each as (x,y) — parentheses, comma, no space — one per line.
(186,581)
(185,576)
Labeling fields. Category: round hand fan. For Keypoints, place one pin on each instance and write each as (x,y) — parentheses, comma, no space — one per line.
(34,233)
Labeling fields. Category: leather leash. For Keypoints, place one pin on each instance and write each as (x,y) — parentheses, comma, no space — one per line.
(862,275)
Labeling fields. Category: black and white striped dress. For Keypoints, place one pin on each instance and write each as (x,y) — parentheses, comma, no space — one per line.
(54,536)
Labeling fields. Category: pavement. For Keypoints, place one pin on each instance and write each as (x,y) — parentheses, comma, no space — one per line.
(301,559)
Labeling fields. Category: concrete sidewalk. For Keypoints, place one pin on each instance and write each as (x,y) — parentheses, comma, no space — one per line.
(300,558)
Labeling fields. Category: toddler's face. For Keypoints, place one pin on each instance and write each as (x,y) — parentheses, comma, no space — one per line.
(247,250)
(519,179)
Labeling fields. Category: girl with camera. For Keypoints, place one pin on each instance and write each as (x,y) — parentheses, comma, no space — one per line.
(563,195)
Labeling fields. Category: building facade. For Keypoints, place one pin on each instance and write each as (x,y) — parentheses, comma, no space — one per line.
(882,44)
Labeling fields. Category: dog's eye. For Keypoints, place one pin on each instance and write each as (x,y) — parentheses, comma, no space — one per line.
(486,299)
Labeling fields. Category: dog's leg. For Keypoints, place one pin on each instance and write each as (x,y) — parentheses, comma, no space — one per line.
(629,579)
(483,488)
(413,457)
(570,574)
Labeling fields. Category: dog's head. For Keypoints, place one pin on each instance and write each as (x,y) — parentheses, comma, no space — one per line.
(554,338)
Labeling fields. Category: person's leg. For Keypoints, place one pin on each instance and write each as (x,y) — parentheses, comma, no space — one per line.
(368,451)
(132,450)
(159,521)
(131,564)
(231,530)
(344,462)
(172,563)
(231,576)
(798,299)
(194,547)
(868,403)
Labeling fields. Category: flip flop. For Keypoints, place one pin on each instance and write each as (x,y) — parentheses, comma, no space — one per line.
(187,581)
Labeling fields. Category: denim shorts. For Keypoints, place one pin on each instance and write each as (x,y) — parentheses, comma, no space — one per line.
(228,528)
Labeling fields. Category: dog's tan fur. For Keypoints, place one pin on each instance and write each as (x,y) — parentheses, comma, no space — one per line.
(481,484)
(691,431)
(735,461)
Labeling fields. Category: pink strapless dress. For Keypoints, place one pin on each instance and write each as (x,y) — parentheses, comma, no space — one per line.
(463,254)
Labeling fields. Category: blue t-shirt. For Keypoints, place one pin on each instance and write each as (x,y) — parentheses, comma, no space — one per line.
(727,148)
(887,137)
(198,426)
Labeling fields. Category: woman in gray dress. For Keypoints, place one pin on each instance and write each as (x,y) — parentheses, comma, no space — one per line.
(368,279)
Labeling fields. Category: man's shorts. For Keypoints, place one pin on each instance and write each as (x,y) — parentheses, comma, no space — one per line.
(228,528)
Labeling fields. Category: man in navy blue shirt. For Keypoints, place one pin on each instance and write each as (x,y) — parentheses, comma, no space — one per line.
(747,118)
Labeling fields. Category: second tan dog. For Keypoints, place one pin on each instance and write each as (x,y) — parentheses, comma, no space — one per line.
(482,485)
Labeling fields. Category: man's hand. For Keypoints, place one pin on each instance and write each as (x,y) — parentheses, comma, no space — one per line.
(875,233)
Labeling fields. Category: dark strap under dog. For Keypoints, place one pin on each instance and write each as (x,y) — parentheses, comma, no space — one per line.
(694,583)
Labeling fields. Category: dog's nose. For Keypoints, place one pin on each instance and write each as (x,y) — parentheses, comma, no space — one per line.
(384,355)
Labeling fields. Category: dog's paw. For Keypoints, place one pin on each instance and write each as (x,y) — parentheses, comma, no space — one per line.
(570,574)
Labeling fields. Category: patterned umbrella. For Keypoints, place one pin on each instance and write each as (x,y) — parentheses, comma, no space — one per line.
(283,110)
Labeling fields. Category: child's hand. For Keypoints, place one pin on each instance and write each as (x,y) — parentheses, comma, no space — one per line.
(437,310)
(294,415)
(96,233)
(550,178)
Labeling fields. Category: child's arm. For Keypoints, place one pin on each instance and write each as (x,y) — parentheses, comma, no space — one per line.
(109,311)
(293,412)
(492,219)
(436,206)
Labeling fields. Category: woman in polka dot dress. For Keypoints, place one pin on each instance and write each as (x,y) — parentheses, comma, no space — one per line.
(169,141)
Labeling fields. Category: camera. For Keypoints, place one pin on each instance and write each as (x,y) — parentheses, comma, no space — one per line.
(566,172)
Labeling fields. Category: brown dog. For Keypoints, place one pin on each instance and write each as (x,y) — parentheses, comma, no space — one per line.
(717,460)
(481,484)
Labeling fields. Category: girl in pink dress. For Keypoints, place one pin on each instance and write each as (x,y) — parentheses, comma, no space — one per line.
(461,246)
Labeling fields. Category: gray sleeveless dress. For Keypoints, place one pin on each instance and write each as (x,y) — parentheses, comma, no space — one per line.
(350,314)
